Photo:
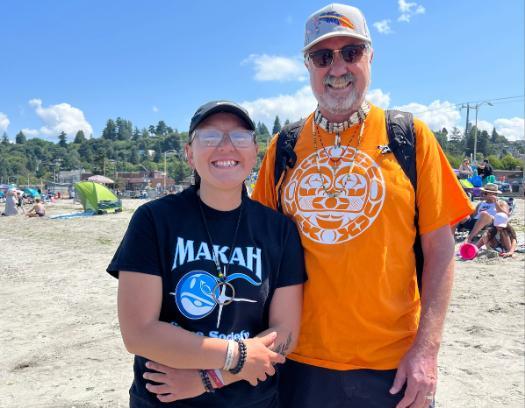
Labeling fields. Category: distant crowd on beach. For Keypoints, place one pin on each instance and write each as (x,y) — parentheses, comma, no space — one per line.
(15,202)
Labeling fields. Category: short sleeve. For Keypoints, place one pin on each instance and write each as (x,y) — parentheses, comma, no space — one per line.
(264,190)
(292,270)
(440,197)
(139,249)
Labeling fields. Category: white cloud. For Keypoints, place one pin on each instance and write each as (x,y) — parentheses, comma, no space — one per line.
(485,125)
(292,107)
(437,115)
(379,98)
(30,132)
(275,68)
(296,106)
(512,129)
(383,27)
(59,118)
(4,123)
(155,109)
(408,10)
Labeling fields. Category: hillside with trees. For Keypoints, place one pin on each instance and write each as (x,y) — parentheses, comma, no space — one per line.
(121,147)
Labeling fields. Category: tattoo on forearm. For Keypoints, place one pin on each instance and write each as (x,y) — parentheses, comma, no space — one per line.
(282,348)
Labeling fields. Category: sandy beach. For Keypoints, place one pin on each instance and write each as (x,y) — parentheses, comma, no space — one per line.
(61,346)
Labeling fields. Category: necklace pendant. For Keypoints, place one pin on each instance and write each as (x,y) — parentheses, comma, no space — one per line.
(336,152)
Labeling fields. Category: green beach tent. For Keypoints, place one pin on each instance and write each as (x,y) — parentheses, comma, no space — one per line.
(97,198)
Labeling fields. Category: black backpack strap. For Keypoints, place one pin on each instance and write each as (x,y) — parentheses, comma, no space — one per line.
(402,142)
(285,156)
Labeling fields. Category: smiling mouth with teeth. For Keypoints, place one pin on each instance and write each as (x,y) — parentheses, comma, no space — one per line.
(224,164)
(339,84)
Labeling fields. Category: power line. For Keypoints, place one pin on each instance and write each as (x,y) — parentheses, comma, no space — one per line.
(457,106)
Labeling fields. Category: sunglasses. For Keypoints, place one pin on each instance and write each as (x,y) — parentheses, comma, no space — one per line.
(213,137)
(325,57)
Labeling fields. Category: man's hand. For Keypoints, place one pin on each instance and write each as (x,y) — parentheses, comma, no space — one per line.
(418,369)
(174,384)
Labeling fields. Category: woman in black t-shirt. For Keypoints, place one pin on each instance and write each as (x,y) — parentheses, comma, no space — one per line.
(210,282)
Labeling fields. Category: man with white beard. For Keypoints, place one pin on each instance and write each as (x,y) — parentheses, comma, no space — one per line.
(368,339)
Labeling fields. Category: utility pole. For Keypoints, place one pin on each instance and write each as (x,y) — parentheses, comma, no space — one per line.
(165,165)
(468,107)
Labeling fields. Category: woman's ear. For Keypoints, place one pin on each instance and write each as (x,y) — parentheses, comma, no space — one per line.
(188,154)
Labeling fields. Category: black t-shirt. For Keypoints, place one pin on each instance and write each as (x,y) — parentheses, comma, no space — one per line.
(167,237)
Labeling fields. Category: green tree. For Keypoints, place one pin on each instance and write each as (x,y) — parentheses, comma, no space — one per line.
(62,139)
(276,125)
(494,136)
(5,139)
(494,161)
(20,138)
(124,129)
(161,129)
(110,131)
(509,162)
(441,138)
(136,134)
(134,155)
(79,137)
(483,142)
(261,129)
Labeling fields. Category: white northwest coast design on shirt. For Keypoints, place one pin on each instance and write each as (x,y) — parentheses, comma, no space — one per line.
(333,220)
(198,292)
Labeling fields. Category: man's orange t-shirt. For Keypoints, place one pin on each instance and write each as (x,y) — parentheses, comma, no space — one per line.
(361,302)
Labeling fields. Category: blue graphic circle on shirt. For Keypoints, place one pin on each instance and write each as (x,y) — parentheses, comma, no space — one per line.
(193,294)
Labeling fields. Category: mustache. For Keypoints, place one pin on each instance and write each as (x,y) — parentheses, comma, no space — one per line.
(339,80)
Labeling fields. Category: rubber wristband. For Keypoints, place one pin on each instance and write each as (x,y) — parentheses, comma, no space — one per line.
(215,378)
(228,360)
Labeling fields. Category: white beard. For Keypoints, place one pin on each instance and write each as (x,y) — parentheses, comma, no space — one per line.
(339,105)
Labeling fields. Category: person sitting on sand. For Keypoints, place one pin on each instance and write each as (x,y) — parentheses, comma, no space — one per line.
(10,204)
(500,237)
(485,211)
(38,209)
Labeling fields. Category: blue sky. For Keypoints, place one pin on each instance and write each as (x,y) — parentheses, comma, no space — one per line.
(69,65)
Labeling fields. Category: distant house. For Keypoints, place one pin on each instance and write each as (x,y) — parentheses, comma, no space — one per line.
(72,176)
(140,180)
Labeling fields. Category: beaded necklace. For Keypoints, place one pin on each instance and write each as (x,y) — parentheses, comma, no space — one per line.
(337,154)
(336,192)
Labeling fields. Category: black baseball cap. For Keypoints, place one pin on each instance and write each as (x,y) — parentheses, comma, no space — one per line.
(210,108)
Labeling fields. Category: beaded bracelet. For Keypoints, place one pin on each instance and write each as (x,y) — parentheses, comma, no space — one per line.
(242,357)
(206,381)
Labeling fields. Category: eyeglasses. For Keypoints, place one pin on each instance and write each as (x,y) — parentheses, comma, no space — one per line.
(212,137)
(325,57)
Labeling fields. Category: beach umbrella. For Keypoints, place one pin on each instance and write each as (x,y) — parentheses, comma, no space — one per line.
(101,179)
(31,192)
